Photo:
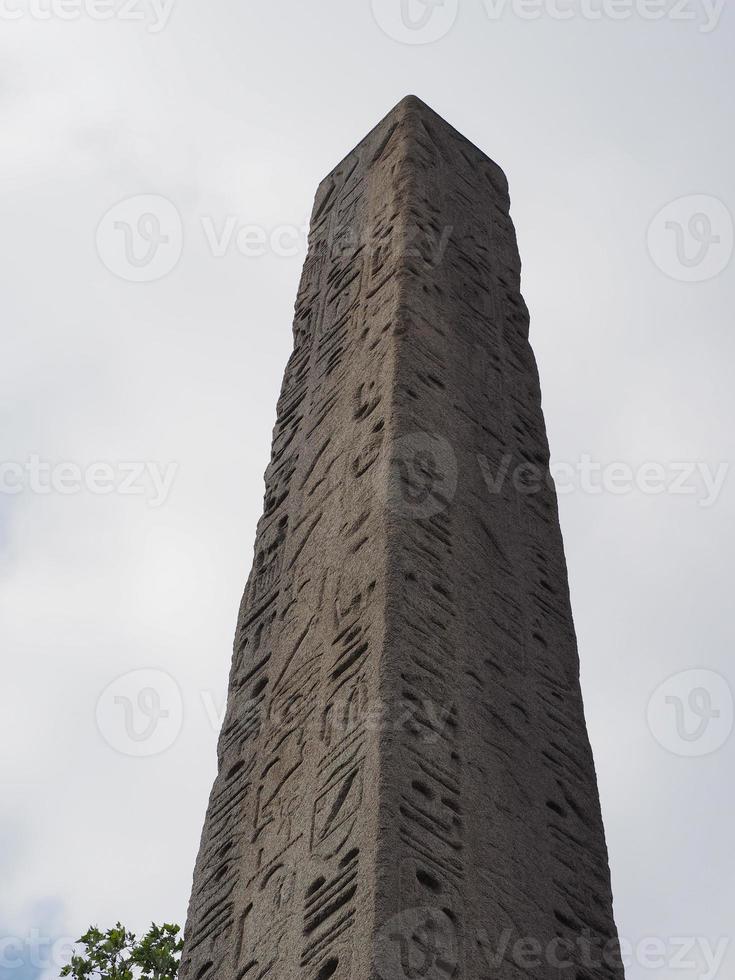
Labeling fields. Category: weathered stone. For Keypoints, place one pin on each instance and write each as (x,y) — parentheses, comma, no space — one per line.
(405,784)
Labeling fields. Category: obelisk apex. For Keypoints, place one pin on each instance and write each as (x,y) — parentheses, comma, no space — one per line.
(405,783)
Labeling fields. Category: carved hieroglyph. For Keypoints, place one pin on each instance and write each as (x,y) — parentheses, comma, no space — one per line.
(405,784)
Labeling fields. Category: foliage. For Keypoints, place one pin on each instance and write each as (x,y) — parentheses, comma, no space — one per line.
(115,954)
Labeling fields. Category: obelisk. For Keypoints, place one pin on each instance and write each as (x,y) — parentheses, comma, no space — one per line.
(405,784)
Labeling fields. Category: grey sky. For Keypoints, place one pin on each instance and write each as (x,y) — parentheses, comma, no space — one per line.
(233,113)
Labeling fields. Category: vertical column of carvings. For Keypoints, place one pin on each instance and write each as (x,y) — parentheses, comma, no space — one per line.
(354,368)
(544,834)
(422,906)
(284,883)
(244,879)
(491,823)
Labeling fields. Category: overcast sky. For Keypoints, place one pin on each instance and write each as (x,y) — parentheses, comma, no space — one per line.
(143,348)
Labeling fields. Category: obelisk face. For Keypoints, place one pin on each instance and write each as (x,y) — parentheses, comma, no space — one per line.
(405,784)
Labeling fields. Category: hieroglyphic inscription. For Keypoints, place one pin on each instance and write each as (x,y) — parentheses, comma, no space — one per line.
(282,871)
(404,756)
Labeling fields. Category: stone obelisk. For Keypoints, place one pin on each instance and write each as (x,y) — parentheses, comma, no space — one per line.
(405,784)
